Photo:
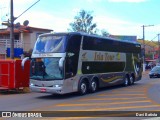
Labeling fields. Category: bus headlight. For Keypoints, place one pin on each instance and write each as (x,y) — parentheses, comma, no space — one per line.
(57,86)
(31,84)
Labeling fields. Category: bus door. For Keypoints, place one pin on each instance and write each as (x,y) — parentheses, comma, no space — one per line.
(71,61)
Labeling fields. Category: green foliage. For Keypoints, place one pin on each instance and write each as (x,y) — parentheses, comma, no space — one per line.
(104,33)
(83,22)
(149,55)
(149,43)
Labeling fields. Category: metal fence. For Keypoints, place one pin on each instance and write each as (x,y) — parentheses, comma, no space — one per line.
(6,43)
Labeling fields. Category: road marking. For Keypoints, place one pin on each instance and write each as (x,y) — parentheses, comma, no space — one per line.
(114,93)
(72,118)
(53,106)
(102,104)
(137,91)
(153,118)
(133,88)
(122,94)
(119,108)
(86,99)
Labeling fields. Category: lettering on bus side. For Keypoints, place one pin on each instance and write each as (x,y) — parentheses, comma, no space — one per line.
(103,57)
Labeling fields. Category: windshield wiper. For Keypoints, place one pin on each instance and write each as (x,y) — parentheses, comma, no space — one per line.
(43,70)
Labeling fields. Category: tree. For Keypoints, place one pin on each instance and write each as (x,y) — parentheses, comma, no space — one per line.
(104,33)
(83,23)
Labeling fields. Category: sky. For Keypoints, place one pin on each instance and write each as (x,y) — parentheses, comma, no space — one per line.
(118,17)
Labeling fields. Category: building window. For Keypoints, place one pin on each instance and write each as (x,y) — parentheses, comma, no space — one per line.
(16,36)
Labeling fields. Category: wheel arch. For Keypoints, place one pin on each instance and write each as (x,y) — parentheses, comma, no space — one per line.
(127,75)
(96,78)
(86,79)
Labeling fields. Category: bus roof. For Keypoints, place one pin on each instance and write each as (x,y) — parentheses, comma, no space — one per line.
(86,34)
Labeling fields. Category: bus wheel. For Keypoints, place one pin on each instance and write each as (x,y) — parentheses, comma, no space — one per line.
(93,86)
(83,88)
(131,80)
(126,81)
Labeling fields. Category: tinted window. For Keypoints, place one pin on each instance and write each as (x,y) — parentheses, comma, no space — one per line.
(101,44)
(102,67)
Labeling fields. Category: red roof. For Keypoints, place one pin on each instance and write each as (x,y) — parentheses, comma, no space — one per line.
(25,29)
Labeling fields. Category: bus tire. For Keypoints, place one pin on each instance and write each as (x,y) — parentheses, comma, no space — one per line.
(131,80)
(126,81)
(83,87)
(93,86)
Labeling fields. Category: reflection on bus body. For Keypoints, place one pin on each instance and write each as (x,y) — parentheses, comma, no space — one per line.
(52,44)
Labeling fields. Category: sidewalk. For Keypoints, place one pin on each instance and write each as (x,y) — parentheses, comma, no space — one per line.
(145,72)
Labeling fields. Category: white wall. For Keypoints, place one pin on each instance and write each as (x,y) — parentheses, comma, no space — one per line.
(29,39)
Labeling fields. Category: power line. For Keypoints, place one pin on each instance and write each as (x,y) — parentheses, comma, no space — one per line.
(27,10)
(12,19)
(143,26)
(152,40)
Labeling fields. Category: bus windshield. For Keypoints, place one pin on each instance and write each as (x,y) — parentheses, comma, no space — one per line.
(50,44)
(46,69)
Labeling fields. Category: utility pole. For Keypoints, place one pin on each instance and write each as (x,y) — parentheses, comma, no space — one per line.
(11,31)
(143,26)
(12,19)
(159,48)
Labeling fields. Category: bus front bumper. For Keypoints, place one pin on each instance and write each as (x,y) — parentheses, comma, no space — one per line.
(54,90)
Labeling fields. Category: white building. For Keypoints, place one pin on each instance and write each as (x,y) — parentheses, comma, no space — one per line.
(24,37)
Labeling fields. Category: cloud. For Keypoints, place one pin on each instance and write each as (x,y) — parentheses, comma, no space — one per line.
(133,1)
(18,5)
(60,23)
(91,1)
(45,20)
(118,26)
(15,2)
(112,24)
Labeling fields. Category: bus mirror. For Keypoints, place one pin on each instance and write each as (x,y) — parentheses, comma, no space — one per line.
(61,61)
(70,74)
(23,61)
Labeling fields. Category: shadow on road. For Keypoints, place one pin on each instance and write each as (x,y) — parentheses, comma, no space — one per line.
(75,95)
(8,92)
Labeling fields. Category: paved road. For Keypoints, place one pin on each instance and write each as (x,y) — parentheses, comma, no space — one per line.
(143,96)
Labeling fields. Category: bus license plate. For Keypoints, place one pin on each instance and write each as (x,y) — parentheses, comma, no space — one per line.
(43,89)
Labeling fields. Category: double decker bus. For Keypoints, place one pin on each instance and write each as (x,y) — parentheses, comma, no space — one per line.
(77,62)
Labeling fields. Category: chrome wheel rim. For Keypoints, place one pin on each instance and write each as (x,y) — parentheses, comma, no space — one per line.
(131,80)
(94,86)
(83,87)
(126,81)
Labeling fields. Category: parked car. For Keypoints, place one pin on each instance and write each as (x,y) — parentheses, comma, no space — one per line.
(155,72)
(158,64)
